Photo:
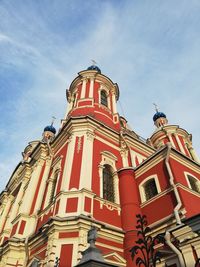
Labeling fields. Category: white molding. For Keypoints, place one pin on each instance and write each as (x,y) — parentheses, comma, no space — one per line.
(68,164)
(83,89)
(91,89)
(141,186)
(104,88)
(109,159)
(87,161)
(179,143)
(188,182)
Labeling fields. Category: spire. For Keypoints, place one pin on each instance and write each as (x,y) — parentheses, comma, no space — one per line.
(159,118)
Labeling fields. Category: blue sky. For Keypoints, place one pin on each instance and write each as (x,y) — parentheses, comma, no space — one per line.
(150,48)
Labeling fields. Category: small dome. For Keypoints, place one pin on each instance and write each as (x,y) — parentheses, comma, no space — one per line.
(94,67)
(50,128)
(158,115)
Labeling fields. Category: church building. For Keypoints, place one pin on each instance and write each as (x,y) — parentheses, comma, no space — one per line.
(97,172)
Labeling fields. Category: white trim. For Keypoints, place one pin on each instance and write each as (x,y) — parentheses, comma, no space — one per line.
(171,140)
(83,89)
(87,161)
(55,176)
(31,189)
(179,144)
(109,159)
(68,164)
(87,105)
(103,88)
(42,186)
(141,186)
(188,182)
(114,103)
(91,90)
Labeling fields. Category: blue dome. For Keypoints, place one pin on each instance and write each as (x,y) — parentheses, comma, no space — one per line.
(94,67)
(50,128)
(158,115)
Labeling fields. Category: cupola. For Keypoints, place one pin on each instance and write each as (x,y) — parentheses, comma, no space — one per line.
(93,94)
(94,67)
(49,133)
(179,138)
(159,119)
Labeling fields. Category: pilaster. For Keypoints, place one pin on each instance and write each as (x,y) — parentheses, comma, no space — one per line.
(42,186)
(91,89)
(68,164)
(30,191)
(83,89)
(87,161)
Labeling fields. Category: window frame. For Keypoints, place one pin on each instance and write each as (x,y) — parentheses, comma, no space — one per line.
(108,183)
(104,98)
(142,187)
(197,181)
(109,159)
(107,91)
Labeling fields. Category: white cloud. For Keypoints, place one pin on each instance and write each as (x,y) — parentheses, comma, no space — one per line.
(150,50)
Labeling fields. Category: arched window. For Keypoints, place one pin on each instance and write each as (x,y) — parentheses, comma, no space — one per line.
(194,183)
(108,183)
(104,99)
(150,189)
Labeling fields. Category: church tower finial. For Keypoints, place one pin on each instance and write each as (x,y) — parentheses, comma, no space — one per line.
(156,107)
(49,131)
(159,118)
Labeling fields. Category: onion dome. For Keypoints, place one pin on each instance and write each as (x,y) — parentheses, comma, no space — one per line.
(94,67)
(50,128)
(49,133)
(160,119)
(158,115)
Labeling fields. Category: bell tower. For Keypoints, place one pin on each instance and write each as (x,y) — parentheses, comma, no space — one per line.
(165,133)
(93,94)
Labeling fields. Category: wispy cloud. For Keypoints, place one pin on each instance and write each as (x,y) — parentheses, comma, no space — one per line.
(150,49)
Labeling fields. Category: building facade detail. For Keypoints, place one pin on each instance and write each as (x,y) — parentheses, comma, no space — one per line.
(97,173)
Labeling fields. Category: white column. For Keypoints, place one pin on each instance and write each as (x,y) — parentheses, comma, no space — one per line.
(83,89)
(42,186)
(179,144)
(91,90)
(87,161)
(6,203)
(31,188)
(68,164)
(114,101)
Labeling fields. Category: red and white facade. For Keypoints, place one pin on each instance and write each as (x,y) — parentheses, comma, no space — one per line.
(60,190)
